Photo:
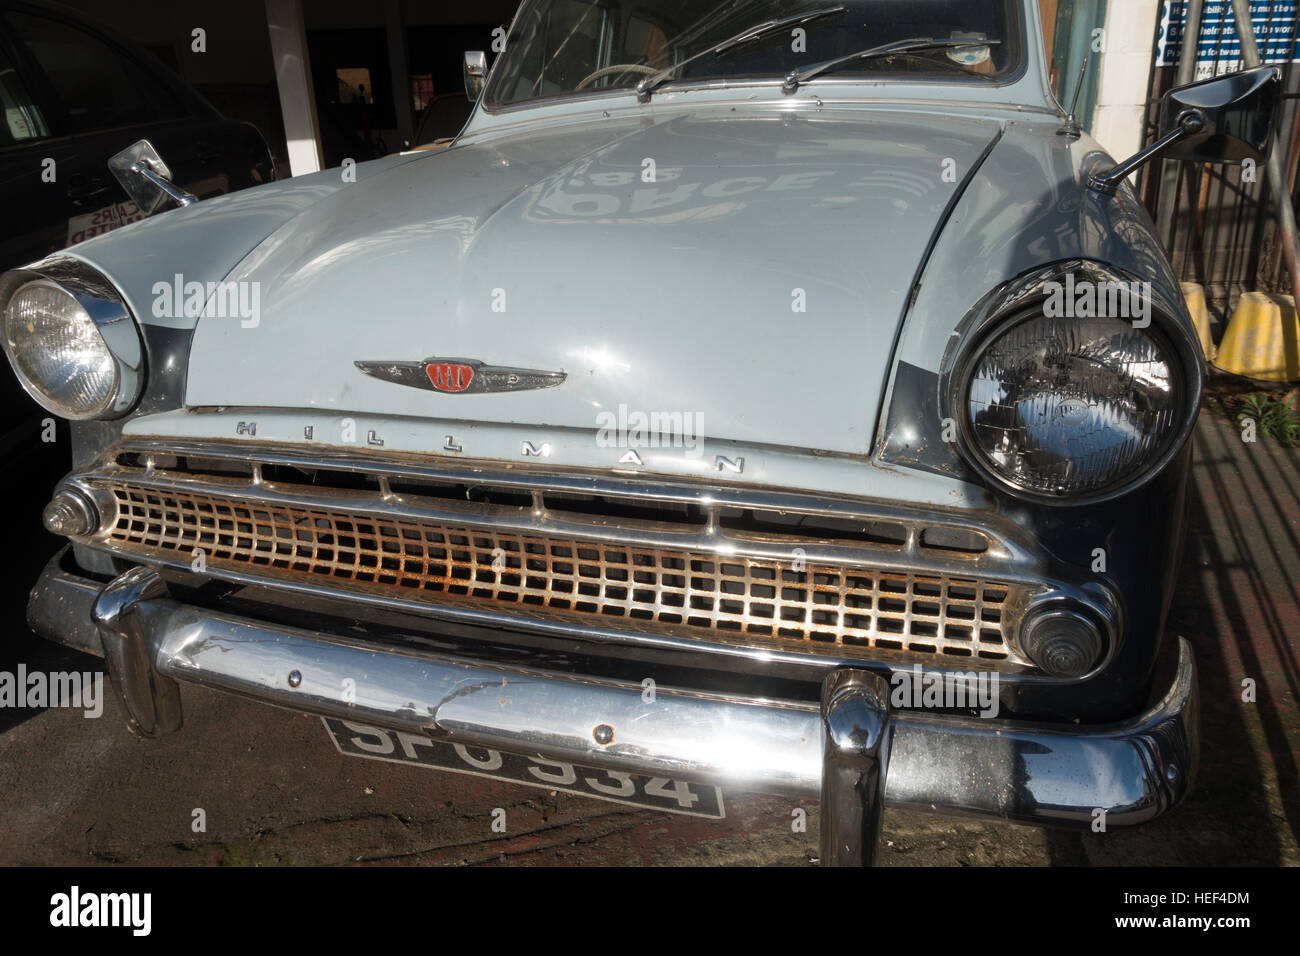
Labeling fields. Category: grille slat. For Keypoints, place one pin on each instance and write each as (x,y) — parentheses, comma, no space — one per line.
(847,611)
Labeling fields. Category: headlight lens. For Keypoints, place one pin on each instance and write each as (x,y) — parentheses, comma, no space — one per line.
(1066,407)
(58,351)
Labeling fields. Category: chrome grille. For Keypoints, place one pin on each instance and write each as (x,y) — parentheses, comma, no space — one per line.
(847,611)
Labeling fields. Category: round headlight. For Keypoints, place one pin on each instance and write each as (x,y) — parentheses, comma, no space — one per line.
(59,353)
(1069,407)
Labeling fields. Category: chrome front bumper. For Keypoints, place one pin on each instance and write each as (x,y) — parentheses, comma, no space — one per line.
(853,752)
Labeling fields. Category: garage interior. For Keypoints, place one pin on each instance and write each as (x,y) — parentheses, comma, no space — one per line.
(373,67)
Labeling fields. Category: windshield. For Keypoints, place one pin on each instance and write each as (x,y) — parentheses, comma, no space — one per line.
(561,47)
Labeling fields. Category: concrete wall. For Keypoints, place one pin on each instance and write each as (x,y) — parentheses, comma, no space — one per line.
(1119,119)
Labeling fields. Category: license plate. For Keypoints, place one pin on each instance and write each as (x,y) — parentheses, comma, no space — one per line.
(667,794)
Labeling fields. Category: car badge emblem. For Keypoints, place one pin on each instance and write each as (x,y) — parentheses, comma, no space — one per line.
(450,376)
(460,376)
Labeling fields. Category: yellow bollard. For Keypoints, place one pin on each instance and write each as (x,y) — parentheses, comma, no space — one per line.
(1263,339)
(1195,296)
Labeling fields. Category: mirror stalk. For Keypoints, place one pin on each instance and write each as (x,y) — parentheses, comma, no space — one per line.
(146,178)
(182,197)
(1107,183)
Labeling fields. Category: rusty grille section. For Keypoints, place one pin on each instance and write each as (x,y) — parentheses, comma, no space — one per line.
(847,611)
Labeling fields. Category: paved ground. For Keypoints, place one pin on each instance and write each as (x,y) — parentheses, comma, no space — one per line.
(274,790)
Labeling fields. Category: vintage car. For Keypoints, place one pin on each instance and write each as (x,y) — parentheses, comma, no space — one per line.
(749,400)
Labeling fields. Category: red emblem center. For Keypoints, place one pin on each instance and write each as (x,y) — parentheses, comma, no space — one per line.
(450,376)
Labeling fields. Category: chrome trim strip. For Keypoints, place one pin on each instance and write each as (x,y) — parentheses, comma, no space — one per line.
(529,477)
(1034,773)
(709,538)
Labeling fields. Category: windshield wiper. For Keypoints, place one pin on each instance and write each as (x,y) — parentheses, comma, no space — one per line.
(913,45)
(756,32)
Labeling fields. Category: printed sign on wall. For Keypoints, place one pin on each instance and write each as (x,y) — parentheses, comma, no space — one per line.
(1219,49)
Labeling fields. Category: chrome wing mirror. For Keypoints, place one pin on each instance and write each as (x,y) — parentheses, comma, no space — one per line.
(1226,119)
(475,73)
(146,178)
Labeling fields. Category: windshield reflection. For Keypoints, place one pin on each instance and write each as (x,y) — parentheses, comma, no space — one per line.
(564,47)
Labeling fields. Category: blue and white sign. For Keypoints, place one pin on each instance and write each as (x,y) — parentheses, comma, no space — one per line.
(1219,49)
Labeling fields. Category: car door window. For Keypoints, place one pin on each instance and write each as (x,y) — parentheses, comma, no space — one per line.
(579,28)
(22,120)
(645,41)
(563,45)
(98,86)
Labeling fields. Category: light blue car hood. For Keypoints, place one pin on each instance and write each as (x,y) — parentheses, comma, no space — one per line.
(751,270)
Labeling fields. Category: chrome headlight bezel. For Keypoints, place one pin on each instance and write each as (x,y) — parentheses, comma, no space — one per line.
(1023,299)
(112,319)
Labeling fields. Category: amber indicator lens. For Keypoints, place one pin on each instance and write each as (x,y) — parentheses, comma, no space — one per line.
(1062,642)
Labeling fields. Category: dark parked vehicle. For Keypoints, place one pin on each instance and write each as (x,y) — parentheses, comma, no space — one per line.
(73,95)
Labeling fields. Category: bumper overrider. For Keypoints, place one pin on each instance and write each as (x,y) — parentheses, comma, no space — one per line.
(853,751)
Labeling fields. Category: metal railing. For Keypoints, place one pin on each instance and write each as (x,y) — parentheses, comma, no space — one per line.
(1220,230)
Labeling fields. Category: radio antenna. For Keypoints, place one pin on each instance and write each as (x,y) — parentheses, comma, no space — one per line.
(1071,126)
